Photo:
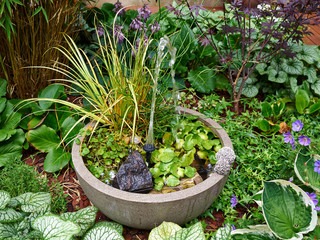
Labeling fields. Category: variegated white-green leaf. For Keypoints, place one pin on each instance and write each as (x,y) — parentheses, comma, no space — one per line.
(164,231)
(31,202)
(287,209)
(13,203)
(116,226)
(223,233)
(103,233)
(84,218)
(4,199)
(190,233)
(41,212)
(261,232)
(10,215)
(316,87)
(7,231)
(54,228)
(258,198)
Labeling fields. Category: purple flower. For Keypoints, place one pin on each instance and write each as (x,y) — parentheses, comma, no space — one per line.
(290,179)
(171,8)
(232,227)
(100,30)
(136,24)
(204,41)
(313,197)
(304,140)
(144,12)
(317,166)
(234,201)
(288,138)
(317,209)
(196,8)
(118,34)
(118,7)
(155,27)
(297,126)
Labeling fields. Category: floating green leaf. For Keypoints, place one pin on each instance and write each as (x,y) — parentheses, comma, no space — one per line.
(164,231)
(54,228)
(304,168)
(172,181)
(166,155)
(287,209)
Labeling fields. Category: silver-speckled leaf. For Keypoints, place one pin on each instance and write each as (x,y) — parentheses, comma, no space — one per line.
(190,233)
(4,199)
(116,226)
(10,215)
(31,202)
(102,232)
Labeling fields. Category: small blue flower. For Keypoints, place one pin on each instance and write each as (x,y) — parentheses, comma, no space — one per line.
(291,179)
(304,140)
(317,209)
(232,227)
(234,201)
(317,166)
(288,138)
(297,126)
(313,197)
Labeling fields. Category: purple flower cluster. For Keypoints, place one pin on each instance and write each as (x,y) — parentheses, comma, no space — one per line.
(155,27)
(303,140)
(118,34)
(139,23)
(314,199)
(136,24)
(119,8)
(100,30)
(234,201)
(144,12)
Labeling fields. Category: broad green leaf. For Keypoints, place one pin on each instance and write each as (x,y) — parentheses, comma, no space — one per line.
(3,87)
(51,92)
(54,228)
(166,155)
(187,158)
(316,87)
(263,125)
(287,209)
(190,233)
(311,73)
(69,129)
(293,84)
(32,202)
(278,77)
(292,66)
(190,171)
(223,233)
(3,102)
(164,231)
(5,134)
(172,181)
(266,109)
(102,232)
(115,225)
(56,159)
(202,79)
(12,148)
(261,232)
(85,218)
(43,138)
(314,108)
(302,100)
(262,68)
(304,168)
(10,215)
(9,118)
(4,199)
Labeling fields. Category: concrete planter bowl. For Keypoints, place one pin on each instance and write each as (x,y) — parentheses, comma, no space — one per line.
(146,211)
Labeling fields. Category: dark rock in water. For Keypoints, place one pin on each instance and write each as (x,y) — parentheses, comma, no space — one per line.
(134,175)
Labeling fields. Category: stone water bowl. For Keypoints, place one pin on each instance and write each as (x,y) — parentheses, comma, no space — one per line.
(146,211)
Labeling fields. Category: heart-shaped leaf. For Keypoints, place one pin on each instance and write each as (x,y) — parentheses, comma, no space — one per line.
(223,233)
(103,232)
(190,233)
(32,202)
(10,215)
(116,226)
(164,231)
(4,199)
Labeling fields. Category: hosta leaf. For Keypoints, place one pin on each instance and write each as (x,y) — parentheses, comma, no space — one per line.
(53,227)
(316,87)
(202,79)
(223,233)
(278,77)
(164,231)
(287,209)
(304,168)
(10,215)
(43,138)
(292,66)
(32,202)
(53,92)
(263,125)
(56,159)
(261,232)
(4,199)
(103,232)
(190,233)
(84,218)
(311,73)
(116,226)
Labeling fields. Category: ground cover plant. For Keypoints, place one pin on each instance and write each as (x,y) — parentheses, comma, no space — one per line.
(264,132)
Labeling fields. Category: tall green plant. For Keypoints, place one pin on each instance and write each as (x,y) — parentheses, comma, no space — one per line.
(28,31)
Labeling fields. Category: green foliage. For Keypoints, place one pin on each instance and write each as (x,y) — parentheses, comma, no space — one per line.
(17,178)
(28,216)
(188,141)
